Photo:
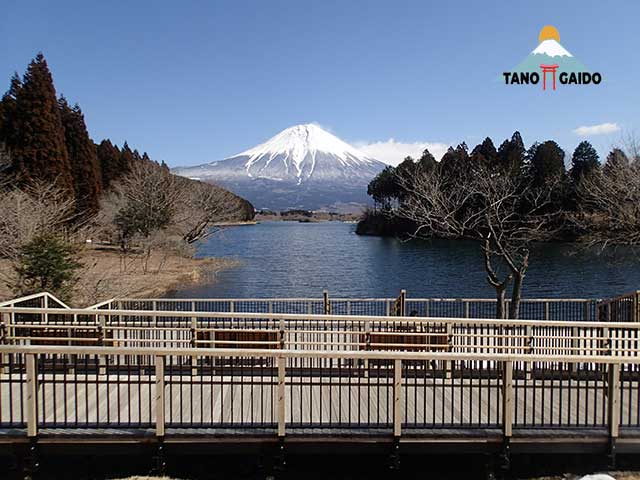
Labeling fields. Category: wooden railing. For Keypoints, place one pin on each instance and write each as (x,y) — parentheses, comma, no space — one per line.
(625,308)
(532,309)
(137,328)
(280,391)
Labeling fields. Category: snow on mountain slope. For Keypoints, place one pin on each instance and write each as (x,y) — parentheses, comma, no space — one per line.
(551,48)
(303,166)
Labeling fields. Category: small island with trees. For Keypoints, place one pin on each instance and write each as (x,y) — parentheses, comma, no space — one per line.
(508,198)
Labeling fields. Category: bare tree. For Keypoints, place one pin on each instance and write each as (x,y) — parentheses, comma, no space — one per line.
(609,203)
(153,209)
(141,203)
(37,209)
(504,212)
(203,209)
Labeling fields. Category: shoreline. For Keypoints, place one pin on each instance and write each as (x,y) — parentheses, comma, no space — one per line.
(108,274)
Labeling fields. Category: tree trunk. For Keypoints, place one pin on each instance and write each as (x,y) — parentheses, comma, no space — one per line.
(501,290)
(516,294)
(494,281)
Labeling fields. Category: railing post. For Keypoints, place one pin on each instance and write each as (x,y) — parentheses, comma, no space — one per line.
(367,346)
(159,396)
(530,348)
(281,407)
(154,317)
(397,398)
(4,358)
(281,333)
(585,313)
(194,344)
(325,301)
(447,365)
(32,394)
(613,405)
(101,333)
(507,399)
(45,300)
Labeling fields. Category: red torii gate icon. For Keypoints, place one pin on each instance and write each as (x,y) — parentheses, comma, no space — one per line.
(545,69)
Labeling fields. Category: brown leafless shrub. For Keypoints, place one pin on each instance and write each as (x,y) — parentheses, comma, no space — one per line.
(34,210)
(609,205)
(506,213)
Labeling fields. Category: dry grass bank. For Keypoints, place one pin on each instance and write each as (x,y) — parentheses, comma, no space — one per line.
(107,274)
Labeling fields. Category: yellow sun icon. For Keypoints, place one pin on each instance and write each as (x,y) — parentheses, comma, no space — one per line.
(549,32)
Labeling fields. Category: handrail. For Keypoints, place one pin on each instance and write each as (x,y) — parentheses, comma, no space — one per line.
(316,317)
(100,304)
(346,299)
(33,296)
(36,362)
(338,354)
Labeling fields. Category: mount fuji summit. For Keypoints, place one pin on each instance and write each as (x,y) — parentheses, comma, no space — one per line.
(302,167)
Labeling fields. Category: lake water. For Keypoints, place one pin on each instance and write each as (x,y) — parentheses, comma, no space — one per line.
(290,259)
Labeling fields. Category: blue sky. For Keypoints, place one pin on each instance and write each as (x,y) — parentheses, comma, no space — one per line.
(192,82)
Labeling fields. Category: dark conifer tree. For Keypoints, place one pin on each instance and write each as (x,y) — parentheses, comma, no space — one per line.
(126,159)
(8,107)
(485,154)
(427,161)
(511,154)
(583,162)
(109,160)
(616,158)
(547,162)
(83,158)
(39,151)
(455,162)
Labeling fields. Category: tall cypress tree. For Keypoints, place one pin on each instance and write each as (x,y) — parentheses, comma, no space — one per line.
(511,154)
(485,154)
(126,158)
(8,107)
(584,161)
(83,158)
(109,159)
(39,151)
(547,162)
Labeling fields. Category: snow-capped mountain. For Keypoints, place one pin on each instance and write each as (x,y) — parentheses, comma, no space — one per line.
(302,167)
(550,52)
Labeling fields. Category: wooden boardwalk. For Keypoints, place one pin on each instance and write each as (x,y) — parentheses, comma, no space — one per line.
(199,401)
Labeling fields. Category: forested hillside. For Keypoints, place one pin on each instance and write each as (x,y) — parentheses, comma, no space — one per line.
(85,220)
(44,138)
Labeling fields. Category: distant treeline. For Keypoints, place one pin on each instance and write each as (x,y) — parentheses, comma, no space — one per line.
(540,164)
(44,138)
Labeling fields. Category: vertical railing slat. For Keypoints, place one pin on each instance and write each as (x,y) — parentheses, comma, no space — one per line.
(159,401)
(32,395)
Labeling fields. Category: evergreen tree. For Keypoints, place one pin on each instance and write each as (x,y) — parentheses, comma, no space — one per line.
(547,162)
(8,107)
(39,151)
(455,162)
(485,154)
(46,263)
(583,162)
(511,154)
(427,161)
(126,159)
(109,160)
(615,159)
(83,158)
